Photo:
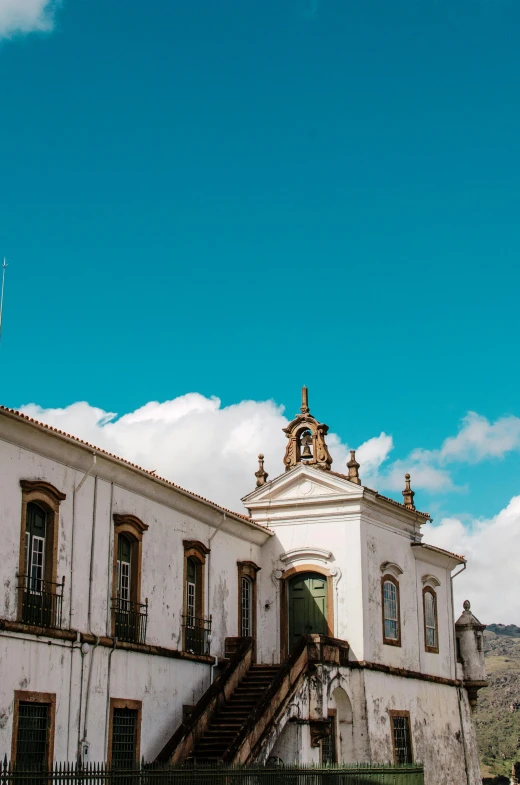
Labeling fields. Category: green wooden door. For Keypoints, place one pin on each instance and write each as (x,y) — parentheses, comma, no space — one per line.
(307,606)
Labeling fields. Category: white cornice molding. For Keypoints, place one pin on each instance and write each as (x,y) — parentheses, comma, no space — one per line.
(302,554)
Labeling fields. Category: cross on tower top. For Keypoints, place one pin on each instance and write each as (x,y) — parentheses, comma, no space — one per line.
(304,408)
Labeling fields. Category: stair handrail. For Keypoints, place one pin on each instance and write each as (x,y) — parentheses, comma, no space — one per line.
(181,744)
(309,649)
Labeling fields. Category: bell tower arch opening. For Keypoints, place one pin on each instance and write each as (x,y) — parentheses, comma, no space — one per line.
(306,439)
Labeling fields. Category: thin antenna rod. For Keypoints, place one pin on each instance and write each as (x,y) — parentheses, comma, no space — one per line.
(4,267)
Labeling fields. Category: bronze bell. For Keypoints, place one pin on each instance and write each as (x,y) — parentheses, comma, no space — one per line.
(306,442)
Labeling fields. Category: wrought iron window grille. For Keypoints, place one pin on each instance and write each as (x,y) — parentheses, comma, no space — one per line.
(124,738)
(402,741)
(32,738)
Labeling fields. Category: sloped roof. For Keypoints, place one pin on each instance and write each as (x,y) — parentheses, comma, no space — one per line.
(381,496)
(152,475)
(439,550)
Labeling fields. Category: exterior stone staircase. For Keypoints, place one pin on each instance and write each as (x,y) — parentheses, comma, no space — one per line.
(235,718)
(225,725)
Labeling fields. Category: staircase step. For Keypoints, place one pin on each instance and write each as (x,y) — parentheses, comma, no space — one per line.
(227,722)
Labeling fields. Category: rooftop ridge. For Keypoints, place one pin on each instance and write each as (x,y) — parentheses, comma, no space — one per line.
(150,474)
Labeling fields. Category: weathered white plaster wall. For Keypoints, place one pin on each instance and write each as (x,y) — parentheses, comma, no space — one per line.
(162,550)
(391,545)
(329,687)
(37,664)
(341,536)
(440,740)
(442,733)
(163,685)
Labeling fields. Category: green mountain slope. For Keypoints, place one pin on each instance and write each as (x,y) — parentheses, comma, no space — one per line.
(497,715)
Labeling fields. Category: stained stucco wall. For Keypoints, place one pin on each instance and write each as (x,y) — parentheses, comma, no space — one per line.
(341,536)
(388,545)
(442,733)
(339,689)
(162,551)
(443,738)
(163,685)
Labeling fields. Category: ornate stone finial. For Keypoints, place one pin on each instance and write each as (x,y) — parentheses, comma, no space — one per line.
(306,439)
(466,605)
(408,494)
(304,408)
(261,475)
(353,467)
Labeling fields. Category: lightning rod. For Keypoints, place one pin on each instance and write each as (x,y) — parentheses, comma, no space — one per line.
(4,267)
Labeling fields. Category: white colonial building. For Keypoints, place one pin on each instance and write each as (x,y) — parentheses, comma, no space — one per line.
(138,619)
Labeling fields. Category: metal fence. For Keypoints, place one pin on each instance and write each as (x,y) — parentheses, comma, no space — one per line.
(152,774)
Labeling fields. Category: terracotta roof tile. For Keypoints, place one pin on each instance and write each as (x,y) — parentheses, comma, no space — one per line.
(400,504)
(153,475)
(380,495)
(439,550)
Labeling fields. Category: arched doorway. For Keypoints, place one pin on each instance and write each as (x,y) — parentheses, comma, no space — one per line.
(307,606)
(344,725)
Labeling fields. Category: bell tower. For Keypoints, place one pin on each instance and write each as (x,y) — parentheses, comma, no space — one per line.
(306,439)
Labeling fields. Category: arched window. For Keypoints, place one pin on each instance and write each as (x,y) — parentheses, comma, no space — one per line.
(192,590)
(124,570)
(129,614)
(196,628)
(431,634)
(247,597)
(36,609)
(35,534)
(247,571)
(40,596)
(391,611)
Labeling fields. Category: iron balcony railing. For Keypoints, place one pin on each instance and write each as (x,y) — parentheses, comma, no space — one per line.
(130,620)
(40,601)
(196,634)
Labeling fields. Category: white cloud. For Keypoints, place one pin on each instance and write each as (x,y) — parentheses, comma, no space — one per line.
(191,440)
(200,445)
(372,454)
(26,16)
(423,468)
(476,440)
(492,577)
(479,439)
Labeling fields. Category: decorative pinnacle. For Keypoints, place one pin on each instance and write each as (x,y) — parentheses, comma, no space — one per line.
(261,475)
(353,467)
(408,494)
(466,605)
(304,408)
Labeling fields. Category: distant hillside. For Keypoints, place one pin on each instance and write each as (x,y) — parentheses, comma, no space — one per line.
(497,716)
(504,629)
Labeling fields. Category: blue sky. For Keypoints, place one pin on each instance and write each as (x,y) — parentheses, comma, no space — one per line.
(237,197)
